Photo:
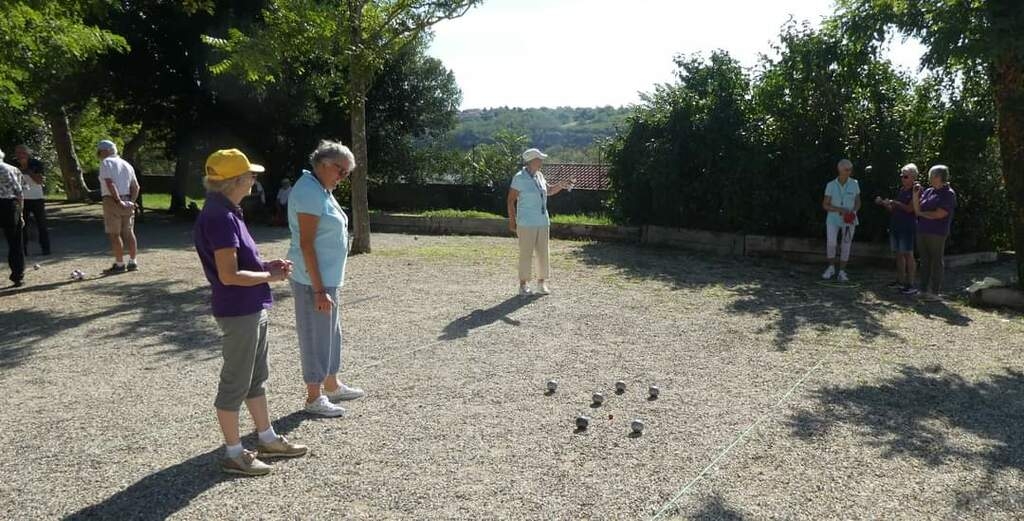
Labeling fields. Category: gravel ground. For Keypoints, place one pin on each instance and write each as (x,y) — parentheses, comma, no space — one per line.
(781,398)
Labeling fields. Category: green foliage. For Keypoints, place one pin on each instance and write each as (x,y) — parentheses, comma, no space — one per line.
(44,45)
(492,165)
(722,149)
(567,134)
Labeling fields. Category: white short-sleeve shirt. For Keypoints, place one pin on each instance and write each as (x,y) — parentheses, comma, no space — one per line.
(120,172)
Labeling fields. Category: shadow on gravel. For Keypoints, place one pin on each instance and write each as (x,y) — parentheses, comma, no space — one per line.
(767,287)
(919,413)
(460,327)
(161,494)
(140,314)
(715,508)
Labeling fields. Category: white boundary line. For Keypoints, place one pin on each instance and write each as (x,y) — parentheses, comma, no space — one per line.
(742,435)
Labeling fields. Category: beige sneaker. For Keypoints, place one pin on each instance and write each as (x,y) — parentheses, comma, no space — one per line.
(281,448)
(245,465)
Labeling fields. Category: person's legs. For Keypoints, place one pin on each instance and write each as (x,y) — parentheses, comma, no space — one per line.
(241,342)
(116,247)
(310,323)
(901,268)
(331,383)
(256,399)
(527,241)
(935,268)
(831,243)
(926,259)
(11,223)
(847,245)
(37,209)
(542,250)
(131,244)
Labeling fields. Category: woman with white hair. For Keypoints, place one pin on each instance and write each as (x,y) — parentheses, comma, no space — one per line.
(319,249)
(934,209)
(842,202)
(903,227)
(528,219)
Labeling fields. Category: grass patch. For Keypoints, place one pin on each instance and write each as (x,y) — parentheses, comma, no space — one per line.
(149,201)
(475,214)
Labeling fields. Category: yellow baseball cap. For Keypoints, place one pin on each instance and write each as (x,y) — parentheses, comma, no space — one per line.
(228,164)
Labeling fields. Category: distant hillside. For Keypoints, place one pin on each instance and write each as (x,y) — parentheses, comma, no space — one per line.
(562,129)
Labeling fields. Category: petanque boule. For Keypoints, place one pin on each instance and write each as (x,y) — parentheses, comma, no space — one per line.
(36,267)
(620,386)
(552,386)
(637,426)
(582,422)
(653,391)
(598,398)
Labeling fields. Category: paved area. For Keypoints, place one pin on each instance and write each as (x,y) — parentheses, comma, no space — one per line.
(781,398)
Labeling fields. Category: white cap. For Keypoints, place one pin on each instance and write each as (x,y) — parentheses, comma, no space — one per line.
(532,154)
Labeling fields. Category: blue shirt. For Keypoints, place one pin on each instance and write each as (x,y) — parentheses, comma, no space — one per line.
(220,226)
(531,206)
(843,196)
(310,197)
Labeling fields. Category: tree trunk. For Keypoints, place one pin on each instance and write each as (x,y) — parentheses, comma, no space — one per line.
(131,150)
(181,169)
(70,168)
(360,181)
(358,85)
(1008,79)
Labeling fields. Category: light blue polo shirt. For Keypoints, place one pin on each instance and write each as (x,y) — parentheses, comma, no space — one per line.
(531,207)
(310,197)
(843,196)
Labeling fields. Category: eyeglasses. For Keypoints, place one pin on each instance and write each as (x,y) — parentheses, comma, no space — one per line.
(905,176)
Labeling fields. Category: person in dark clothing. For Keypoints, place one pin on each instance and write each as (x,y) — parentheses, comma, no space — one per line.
(11,219)
(32,177)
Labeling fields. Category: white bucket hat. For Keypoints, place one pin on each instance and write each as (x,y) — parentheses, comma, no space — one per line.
(532,154)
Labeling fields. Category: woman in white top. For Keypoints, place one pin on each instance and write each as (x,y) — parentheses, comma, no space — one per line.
(842,202)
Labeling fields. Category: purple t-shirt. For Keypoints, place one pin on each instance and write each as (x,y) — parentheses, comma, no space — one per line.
(932,199)
(220,226)
(904,221)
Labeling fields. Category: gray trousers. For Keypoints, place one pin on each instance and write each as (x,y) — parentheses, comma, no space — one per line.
(245,369)
(319,334)
(932,250)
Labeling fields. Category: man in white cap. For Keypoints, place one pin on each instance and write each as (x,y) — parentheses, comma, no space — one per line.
(528,219)
(120,190)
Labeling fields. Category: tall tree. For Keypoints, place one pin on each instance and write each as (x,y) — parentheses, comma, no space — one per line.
(46,49)
(965,35)
(356,37)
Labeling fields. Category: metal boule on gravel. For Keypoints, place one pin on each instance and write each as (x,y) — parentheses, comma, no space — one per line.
(582,422)
(598,398)
(620,386)
(653,391)
(552,385)
(637,426)
(36,267)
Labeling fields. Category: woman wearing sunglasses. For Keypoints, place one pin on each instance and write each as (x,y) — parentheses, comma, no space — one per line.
(319,249)
(903,227)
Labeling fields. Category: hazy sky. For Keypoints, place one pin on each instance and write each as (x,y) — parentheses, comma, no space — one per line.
(533,53)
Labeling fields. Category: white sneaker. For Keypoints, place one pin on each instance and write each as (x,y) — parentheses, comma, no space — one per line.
(542,289)
(344,393)
(323,407)
(843,277)
(829,273)
(525,291)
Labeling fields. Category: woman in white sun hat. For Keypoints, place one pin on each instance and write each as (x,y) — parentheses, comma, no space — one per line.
(528,219)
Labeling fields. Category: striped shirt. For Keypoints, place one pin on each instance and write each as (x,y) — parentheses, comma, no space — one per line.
(10,182)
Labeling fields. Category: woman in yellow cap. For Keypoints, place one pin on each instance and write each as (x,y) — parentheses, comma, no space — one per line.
(239,279)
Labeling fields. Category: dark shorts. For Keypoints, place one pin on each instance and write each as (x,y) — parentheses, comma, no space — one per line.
(902,241)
